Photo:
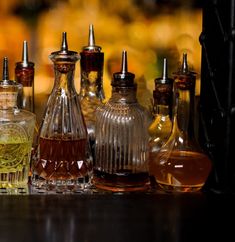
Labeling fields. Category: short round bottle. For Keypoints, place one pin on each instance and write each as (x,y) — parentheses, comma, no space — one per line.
(121,157)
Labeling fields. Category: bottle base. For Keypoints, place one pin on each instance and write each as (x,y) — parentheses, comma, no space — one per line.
(121,182)
(14,190)
(80,185)
(181,189)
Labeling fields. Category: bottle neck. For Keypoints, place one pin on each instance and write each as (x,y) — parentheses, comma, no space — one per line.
(8,100)
(91,64)
(163,110)
(184,107)
(124,94)
(64,77)
(25,76)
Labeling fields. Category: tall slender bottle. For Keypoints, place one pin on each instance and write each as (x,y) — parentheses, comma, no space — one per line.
(121,157)
(181,165)
(92,93)
(63,151)
(16,136)
(24,74)
(160,128)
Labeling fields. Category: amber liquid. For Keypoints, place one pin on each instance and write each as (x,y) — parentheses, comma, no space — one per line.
(62,159)
(182,171)
(122,181)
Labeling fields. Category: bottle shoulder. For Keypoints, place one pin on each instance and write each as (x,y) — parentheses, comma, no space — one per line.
(16,115)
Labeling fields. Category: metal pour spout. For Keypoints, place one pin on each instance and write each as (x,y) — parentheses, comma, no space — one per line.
(64,45)
(124,62)
(5,74)
(91,40)
(25,59)
(164,70)
(184,64)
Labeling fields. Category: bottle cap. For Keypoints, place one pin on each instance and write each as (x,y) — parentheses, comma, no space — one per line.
(64,54)
(123,78)
(91,41)
(25,61)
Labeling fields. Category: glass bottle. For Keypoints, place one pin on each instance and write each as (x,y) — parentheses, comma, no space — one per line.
(160,129)
(63,161)
(92,93)
(24,74)
(16,136)
(121,157)
(181,165)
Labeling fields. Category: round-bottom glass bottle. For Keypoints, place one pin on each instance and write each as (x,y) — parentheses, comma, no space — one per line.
(181,165)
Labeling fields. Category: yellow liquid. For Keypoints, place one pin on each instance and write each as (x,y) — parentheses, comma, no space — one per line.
(14,164)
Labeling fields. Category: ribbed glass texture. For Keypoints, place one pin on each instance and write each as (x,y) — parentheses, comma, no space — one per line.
(121,143)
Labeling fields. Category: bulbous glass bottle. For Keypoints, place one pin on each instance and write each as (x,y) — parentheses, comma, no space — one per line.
(63,151)
(121,153)
(160,129)
(16,137)
(181,165)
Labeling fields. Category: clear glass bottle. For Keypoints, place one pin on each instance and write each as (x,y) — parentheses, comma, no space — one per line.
(160,129)
(16,136)
(24,74)
(91,93)
(63,151)
(181,165)
(121,154)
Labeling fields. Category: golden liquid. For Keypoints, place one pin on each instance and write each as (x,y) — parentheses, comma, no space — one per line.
(14,164)
(182,171)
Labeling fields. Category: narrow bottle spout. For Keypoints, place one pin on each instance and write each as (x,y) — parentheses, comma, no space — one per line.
(5,74)
(124,62)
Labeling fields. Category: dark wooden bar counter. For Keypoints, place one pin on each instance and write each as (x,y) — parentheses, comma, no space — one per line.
(108,217)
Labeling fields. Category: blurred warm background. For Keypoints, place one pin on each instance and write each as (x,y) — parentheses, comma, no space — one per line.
(148,29)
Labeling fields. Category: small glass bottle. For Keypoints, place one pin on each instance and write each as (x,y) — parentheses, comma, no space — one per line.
(160,129)
(92,93)
(24,74)
(63,151)
(121,154)
(16,136)
(181,165)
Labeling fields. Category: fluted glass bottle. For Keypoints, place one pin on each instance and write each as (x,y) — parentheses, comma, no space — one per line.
(63,151)
(121,157)
(92,93)
(16,136)
(160,129)
(181,165)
